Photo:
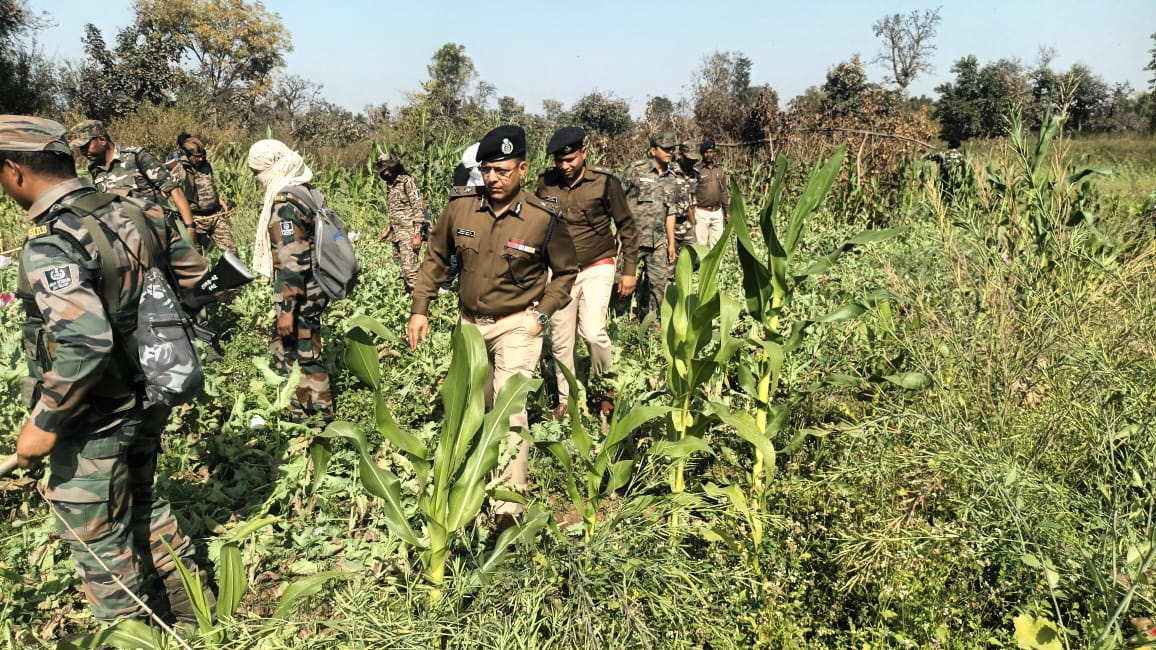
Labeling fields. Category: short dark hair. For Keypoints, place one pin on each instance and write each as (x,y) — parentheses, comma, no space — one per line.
(44,163)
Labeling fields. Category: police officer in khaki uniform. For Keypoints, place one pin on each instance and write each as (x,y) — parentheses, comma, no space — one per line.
(517,267)
(590,200)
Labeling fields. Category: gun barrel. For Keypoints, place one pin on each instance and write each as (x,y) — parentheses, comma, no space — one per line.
(8,466)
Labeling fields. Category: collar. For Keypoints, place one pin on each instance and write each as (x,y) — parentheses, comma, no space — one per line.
(54,194)
(515,208)
(669,168)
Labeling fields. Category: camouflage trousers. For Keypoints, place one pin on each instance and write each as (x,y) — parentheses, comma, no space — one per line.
(313,395)
(655,272)
(215,228)
(102,490)
(407,258)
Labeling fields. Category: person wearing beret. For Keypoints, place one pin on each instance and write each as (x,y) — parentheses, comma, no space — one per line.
(712,197)
(593,203)
(517,267)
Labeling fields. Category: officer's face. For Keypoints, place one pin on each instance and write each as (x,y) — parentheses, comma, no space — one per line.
(570,165)
(708,156)
(662,154)
(502,178)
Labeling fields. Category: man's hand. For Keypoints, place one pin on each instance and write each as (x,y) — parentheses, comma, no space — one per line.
(671,253)
(416,241)
(626,285)
(416,330)
(32,444)
(383,236)
(285,324)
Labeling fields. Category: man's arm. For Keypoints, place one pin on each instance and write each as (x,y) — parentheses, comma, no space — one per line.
(292,254)
(563,262)
(178,197)
(73,315)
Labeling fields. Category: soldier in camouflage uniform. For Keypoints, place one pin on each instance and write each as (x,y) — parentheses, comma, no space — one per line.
(407,217)
(298,297)
(194,174)
(687,180)
(653,197)
(86,409)
(951,167)
(128,171)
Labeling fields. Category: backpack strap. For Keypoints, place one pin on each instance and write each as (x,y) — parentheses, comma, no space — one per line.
(306,198)
(86,206)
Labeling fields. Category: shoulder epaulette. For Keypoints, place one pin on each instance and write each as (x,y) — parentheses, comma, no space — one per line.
(546,171)
(602,170)
(543,205)
(459,191)
(639,163)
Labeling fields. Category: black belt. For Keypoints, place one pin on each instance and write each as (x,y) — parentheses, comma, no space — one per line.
(486,319)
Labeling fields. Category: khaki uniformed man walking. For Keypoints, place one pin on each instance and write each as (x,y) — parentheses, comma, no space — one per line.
(517,267)
(86,412)
(652,196)
(128,171)
(712,197)
(407,218)
(590,200)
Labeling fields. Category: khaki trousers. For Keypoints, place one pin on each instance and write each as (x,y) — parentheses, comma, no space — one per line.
(513,348)
(586,316)
(708,226)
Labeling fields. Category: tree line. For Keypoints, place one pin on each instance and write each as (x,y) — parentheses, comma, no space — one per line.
(224,61)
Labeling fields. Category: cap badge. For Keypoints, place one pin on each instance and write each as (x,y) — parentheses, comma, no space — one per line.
(507,147)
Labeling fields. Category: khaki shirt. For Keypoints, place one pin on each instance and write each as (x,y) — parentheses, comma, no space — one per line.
(712,192)
(508,261)
(596,199)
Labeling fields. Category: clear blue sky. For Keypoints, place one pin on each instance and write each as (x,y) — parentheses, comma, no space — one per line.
(365,52)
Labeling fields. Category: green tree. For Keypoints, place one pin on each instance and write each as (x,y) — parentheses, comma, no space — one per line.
(605,115)
(27,79)
(907,44)
(140,69)
(845,89)
(977,102)
(721,94)
(233,49)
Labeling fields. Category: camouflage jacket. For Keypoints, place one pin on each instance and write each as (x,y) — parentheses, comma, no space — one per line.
(291,244)
(686,184)
(80,382)
(133,172)
(406,208)
(199,186)
(651,195)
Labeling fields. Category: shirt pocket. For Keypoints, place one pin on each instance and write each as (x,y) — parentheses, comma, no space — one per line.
(522,268)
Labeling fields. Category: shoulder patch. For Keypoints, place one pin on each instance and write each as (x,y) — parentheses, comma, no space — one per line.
(286,228)
(36,231)
(58,278)
(639,163)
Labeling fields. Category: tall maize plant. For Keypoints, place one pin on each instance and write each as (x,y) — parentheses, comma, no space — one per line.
(770,283)
(453,470)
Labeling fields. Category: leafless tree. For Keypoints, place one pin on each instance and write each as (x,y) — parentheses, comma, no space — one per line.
(907,44)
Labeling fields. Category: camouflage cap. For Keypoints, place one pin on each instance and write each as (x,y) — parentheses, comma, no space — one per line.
(385,161)
(690,150)
(83,133)
(24,133)
(666,140)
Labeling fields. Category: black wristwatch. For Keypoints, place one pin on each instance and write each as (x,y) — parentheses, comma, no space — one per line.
(543,319)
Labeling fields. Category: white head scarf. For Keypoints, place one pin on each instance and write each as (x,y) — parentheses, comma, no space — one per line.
(470,162)
(277,166)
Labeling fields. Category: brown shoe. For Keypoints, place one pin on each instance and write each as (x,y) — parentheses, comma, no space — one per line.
(503,522)
(607,402)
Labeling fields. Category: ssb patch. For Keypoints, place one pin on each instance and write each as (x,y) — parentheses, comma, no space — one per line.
(36,231)
(58,278)
(286,228)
